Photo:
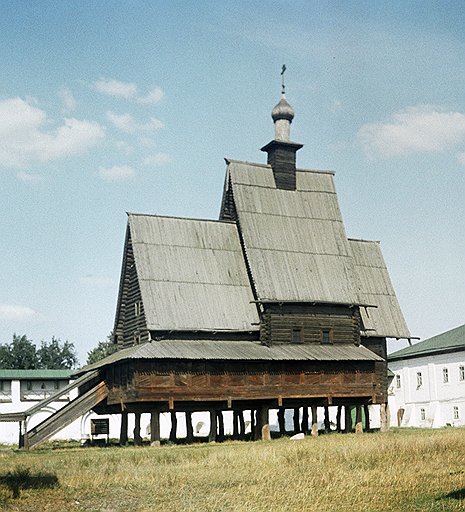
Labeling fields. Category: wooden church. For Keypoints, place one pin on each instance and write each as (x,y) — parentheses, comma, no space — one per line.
(269,307)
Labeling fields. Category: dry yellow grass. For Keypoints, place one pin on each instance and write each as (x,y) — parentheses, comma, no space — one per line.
(397,471)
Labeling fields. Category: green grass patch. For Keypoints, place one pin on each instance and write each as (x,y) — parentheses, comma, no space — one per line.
(400,470)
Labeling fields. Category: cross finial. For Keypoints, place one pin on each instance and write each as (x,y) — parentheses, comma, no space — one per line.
(283,87)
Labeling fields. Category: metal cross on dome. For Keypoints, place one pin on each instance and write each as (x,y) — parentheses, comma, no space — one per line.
(282,78)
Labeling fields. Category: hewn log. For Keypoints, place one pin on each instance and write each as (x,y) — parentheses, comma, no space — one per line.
(327,423)
(123,435)
(366,410)
(282,421)
(155,428)
(304,424)
(213,427)
(174,426)
(137,436)
(347,419)
(314,420)
(384,417)
(296,419)
(338,418)
(220,420)
(241,425)
(358,419)
(264,423)
(235,425)
(252,424)
(189,428)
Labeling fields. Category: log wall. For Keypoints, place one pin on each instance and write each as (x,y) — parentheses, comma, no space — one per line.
(279,321)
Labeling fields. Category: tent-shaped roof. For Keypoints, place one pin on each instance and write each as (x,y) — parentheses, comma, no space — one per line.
(192,274)
(449,341)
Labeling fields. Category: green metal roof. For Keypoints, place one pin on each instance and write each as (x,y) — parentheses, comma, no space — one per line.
(35,374)
(449,341)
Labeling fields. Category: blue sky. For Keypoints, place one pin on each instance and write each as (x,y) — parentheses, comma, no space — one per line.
(109,107)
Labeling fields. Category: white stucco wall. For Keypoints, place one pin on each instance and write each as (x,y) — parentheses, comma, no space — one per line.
(435,397)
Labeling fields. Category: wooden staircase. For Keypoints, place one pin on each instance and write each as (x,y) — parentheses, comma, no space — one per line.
(64,416)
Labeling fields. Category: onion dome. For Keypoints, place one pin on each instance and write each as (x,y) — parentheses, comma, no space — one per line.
(283,111)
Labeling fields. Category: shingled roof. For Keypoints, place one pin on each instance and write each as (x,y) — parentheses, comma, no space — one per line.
(449,341)
(192,274)
(226,350)
(375,288)
(294,240)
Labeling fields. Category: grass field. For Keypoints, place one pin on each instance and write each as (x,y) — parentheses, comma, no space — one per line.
(400,470)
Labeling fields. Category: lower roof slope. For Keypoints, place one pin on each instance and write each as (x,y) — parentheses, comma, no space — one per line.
(375,288)
(224,350)
(192,274)
(449,341)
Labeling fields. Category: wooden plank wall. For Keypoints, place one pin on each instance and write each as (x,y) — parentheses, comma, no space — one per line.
(194,381)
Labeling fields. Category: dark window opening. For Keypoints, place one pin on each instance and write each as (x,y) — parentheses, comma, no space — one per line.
(297,335)
(326,336)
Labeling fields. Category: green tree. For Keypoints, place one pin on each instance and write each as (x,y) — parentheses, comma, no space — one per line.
(102,350)
(56,355)
(21,354)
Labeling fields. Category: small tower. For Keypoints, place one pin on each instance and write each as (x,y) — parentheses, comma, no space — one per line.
(281,151)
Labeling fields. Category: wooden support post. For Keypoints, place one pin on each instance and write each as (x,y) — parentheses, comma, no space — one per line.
(384,417)
(241,425)
(348,419)
(137,436)
(123,435)
(252,424)
(220,420)
(296,419)
(189,428)
(155,428)
(257,432)
(366,410)
(23,441)
(314,420)
(358,419)
(263,424)
(174,426)
(212,434)
(304,424)
(282,421)
(338,418)
(327,423)
(235,425)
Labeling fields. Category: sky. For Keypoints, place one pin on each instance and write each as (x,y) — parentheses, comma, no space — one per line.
(115,107)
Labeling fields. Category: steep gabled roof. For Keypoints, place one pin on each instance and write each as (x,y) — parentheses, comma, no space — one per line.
(192,275)
(294,240)
(375,288)
(449,341)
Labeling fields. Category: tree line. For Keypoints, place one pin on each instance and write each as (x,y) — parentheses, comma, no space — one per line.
(23,354)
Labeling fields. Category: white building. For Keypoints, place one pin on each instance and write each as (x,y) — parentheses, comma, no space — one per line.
(428,387)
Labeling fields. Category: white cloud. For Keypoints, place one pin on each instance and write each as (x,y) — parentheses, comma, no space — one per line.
(128,91)
(154,96)
(116,173)
(158,159)
(124,147)
(116,88)
(25,138)
(69,102)
(28,177)
(422,128)
(128,124)
(17,313)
